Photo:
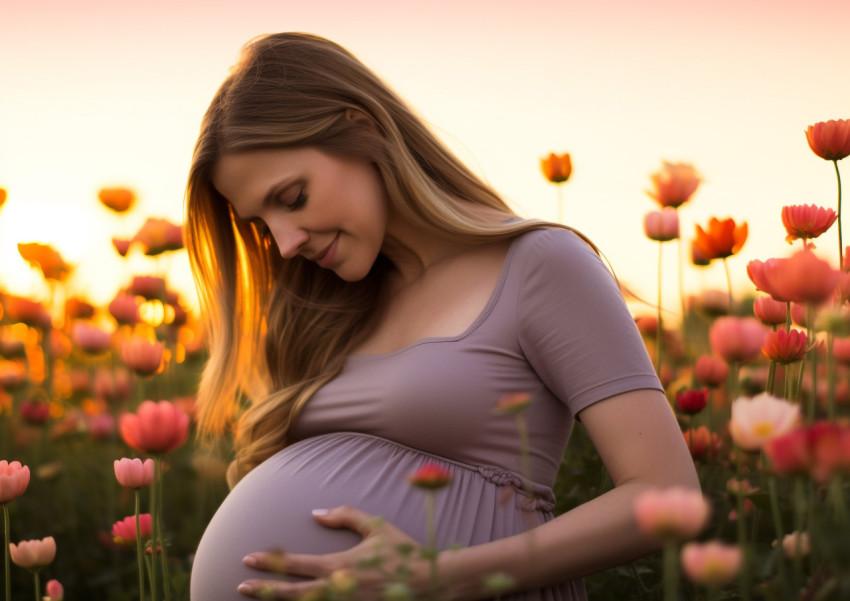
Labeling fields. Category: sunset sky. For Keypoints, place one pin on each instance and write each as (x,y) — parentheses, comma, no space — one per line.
(100,93)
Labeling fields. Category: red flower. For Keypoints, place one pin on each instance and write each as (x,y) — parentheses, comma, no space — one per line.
(806,221)
(789,453)
(722,238)
(736,339)
(674,184)
(155,427)
(785,347)
(700,440)
(124,531)
(431,477)
(830,140)
(769,311)
(830,448)
(692,400)
(661,225)
(801,278)
(841,350)
(35,412)
(557,168)
(710,371)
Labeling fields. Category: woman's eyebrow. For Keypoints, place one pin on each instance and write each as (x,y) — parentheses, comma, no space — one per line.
(276,190)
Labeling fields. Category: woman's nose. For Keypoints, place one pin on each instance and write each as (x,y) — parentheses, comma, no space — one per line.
(290,241)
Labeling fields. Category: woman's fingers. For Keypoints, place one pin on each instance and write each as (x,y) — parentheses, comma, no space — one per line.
(275,589)
(348,517)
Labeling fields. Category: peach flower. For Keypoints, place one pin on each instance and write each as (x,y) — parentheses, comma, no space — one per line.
(155,427)
(770,311)
(712,563)
(675,513)
(513,403)
(557,168)
(117,199)
(134,473)
(33,554)
(806,221)
(125,309)
(142,355)
(14,479)
(830,140)
(661,225)
(801,278)
(720,239)
(737,339)
(756,420)
(674,184)
(796,544)
(785,347)
(710,372)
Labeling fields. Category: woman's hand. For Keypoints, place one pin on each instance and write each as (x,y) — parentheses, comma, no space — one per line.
(385,554)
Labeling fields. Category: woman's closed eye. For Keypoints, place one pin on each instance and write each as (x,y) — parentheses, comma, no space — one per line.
(295,204)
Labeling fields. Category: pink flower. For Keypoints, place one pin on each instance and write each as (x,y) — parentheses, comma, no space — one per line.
(149,286)
(431,477)
(133,473)
(661,225)
(801,278)
(124,531)
(14,479)
(710,372)
(806,221)
(55,590)
(692,400)
(124,308)
(829,445)
(830,140)
(754,421)
(141,355)
(790,453)
(841,350)
(785,347)
(122,245)
(513,403)
(33,554)
(737,339)
(155,427)
(159,235)
(674,184)
(671,514)
(112,386)
(796,544)
(712,563)
(89,338)
(769,311)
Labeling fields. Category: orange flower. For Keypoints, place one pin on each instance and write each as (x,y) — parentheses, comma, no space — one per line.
(557,168)
(46,258)
(20,309)
(674,184)
(121,245)
(117,199)
(2,197)
(723,238)
(785,347)
(830,140)
(806,221)
(513,403)
(77,308)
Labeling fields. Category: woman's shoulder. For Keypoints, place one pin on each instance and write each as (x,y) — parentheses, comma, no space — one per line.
(554,244)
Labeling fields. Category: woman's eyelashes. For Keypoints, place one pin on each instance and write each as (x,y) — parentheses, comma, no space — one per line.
(299,201)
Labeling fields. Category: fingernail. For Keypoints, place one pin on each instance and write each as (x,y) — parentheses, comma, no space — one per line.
(250,561)
(245,589)
(319,512)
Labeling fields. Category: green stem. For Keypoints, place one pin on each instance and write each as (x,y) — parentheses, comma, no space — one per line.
(659,332)
(837,499)
(155,486)
(140,552)
(771,377)
(733,381)
(671,571)
(37,585)
(430,517)
(560,193)
(681,284)
(744,578)
(840,242)
(6,541)
(728,284)
(777,523)
(830,374)
(163,556)
(799,521)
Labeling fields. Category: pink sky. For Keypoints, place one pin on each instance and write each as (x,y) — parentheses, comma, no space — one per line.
(98,93)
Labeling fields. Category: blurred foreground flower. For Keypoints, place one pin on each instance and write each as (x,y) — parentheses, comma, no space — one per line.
(674,513)
(33,554)
(674,184)
(14,479)
(55,590)
(124,531)
(691,400)
(720,239)
(142,355)
(662,225)
(805,222)
(756,420)
(737,339)
(513,403)
(796,544)
(431,477)
(710,372)
(159,236)
(134,473)
(712,563)
(785,347)
(46,258)
(155,427)
(119,200)
(830,140)
(90,339)
(770,311)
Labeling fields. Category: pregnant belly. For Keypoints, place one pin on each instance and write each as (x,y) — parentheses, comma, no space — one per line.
(271,507)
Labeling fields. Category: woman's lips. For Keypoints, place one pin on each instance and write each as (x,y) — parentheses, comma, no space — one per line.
(326,258)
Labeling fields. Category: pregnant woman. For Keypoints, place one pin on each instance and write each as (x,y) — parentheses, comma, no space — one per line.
(369,300)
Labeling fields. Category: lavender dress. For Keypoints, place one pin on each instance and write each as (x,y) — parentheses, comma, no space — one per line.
(555,326)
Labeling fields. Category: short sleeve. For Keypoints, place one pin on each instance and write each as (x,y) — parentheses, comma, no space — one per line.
(573,324)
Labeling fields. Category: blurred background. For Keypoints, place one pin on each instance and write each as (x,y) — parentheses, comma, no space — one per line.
(98,93)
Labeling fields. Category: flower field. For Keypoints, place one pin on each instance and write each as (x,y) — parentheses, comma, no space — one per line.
(106,491)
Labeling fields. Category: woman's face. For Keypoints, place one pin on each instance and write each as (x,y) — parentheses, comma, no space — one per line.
(328,209)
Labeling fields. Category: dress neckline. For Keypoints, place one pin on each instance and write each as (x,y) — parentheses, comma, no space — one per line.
(476,323)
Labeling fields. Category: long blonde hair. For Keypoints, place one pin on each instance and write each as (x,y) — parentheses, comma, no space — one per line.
(288,90)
